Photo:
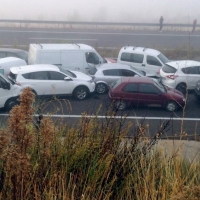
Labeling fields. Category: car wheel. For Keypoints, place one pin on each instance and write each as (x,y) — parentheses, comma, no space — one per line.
(171,106)
(81,93)
(101,88)
(120,105)
(181,87)
(10,103)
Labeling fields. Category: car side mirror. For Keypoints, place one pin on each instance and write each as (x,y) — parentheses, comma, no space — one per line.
(67,78)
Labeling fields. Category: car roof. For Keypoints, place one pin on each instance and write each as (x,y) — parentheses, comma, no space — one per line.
(137,79)
(113,66)
(12,50)
(140,50)
(33,68)
(61,46)
(10,59)
(183,63)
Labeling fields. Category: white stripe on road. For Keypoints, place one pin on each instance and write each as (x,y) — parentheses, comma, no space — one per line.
(61,39)
(117,117)
(99,33)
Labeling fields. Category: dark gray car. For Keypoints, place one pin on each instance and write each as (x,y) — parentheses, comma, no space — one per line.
(18,53)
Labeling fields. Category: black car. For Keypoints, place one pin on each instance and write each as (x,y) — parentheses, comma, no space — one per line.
(197,91)
(18,53)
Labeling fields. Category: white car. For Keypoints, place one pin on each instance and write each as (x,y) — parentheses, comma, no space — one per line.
(142,58)
(49,80)
(9,93)
(182,75)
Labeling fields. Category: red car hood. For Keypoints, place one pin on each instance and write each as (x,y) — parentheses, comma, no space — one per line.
(175,90)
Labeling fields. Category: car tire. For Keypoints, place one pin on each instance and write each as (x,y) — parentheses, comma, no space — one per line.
(101,88)
(120,105)
(10,103)
(181,87)
(171,106)
(81,93)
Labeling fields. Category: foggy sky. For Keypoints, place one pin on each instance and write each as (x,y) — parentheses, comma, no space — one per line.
(173,11)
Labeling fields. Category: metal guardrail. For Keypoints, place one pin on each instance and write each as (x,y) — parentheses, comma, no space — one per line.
(92,23)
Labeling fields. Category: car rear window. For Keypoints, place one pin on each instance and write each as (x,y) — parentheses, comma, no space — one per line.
(168,69)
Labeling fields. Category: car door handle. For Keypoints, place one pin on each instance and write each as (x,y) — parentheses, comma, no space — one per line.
(143,65)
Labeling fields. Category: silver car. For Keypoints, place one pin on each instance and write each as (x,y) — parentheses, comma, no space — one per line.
(109,73)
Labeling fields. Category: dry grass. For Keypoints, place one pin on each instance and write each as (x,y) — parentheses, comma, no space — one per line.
(90,162)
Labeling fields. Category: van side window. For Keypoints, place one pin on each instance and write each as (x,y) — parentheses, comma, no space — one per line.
(56,76)
(132,57)
(92,58)
(153,61)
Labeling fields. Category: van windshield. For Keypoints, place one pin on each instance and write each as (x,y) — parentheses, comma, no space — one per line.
(163,58)
(8,80)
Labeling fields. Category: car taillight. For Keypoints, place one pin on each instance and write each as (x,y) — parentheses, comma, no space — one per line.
(172,76)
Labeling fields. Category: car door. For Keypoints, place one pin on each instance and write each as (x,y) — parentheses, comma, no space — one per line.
(111,75)
(191,76)
(149,95)
(60,86)
(130,93)
(152,64)
(39,81)
(134,59)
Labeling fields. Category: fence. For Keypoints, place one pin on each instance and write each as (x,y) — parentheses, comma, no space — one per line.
(71,24)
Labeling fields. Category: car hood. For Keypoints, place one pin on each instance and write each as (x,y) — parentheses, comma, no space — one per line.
(81,76)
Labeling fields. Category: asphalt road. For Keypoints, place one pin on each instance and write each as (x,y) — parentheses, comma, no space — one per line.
(70,111)
(105,38)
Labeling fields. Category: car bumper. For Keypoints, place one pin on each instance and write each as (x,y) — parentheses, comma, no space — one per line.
(169,83)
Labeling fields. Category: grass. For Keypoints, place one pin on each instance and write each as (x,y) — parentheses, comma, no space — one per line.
(89,161)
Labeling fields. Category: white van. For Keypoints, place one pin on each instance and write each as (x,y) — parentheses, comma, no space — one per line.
(144,59)
(77,57)
(8,62)
(9,93)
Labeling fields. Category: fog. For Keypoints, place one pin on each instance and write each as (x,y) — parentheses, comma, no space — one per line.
(173,11)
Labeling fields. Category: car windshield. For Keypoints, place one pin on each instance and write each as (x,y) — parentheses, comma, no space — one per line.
(159,86)
(163,58)
(8,80)
(141,73)
(68,72)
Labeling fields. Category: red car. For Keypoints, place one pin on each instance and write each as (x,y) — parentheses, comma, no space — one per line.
(144,91)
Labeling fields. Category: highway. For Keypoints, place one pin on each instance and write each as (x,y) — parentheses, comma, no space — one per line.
(105,38)
(113,39)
